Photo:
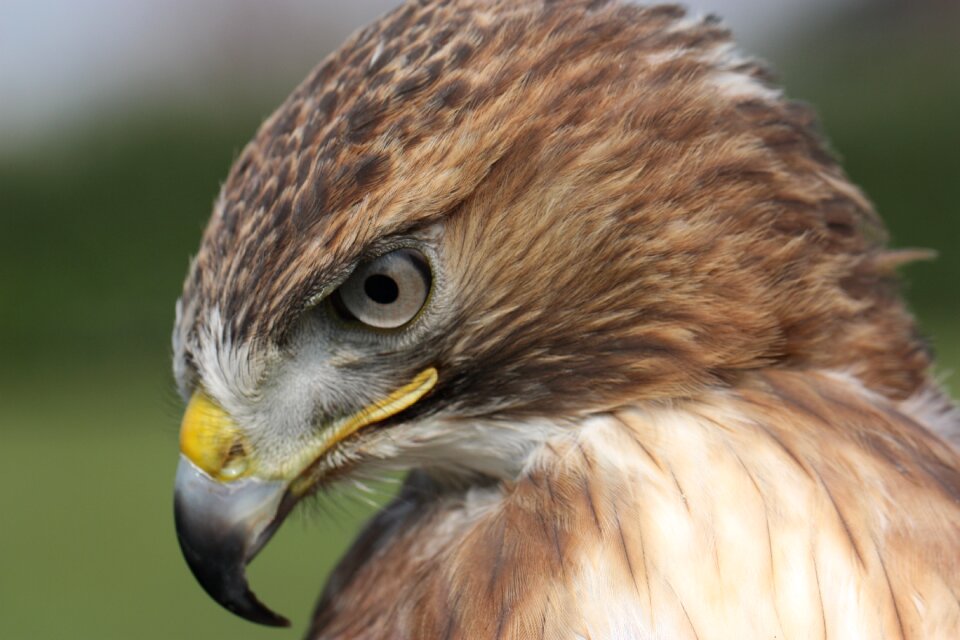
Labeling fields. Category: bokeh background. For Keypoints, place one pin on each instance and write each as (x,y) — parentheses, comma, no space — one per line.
(119,119)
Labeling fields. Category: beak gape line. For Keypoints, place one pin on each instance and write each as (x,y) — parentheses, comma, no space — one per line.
(225,514)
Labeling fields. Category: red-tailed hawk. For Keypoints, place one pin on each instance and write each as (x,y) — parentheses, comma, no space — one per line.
(582,271)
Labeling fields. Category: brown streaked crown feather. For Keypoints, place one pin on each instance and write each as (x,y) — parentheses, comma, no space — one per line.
(691,221)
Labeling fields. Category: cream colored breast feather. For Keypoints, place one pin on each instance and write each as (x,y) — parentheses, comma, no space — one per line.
(798,506)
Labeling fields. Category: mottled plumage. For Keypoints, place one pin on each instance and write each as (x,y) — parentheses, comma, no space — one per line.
(676,393)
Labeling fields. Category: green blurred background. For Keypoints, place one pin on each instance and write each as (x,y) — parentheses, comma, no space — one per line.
(102,203)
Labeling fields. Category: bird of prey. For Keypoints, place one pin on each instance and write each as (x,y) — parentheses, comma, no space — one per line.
(581,271)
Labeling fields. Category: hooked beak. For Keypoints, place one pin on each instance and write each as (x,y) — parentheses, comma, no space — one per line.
(221,527)
(225,512)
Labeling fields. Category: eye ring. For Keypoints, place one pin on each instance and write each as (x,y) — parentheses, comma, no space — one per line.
(386,292)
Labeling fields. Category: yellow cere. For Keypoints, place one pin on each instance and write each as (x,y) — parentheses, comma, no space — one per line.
(215,444)
(212,440)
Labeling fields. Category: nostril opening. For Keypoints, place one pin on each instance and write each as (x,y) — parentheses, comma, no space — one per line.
(236,462)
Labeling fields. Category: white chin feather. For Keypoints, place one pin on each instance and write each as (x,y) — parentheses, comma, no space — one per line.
(461,447)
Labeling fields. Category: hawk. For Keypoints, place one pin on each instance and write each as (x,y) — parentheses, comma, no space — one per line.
(581,271)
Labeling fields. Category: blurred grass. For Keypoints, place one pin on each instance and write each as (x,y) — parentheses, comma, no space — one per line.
(95,232)
(88,547)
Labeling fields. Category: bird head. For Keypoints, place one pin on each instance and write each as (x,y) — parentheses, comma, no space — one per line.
(478,223)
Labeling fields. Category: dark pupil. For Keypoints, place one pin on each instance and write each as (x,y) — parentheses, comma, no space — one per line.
(381,289)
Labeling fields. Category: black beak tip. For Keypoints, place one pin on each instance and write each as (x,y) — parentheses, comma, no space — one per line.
(217,543)
(249,607)
(220,570)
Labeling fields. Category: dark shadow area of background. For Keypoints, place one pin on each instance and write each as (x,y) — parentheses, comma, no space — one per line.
(95,234)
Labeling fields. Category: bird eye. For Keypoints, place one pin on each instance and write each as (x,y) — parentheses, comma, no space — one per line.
(387,292)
